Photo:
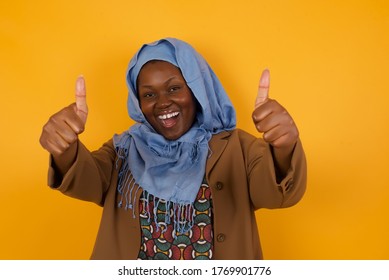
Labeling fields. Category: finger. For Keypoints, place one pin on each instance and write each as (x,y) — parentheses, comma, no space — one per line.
(68,132)
(56,145)
(263,88)
(281,136)
(52,140)
(274,133)
(82,107)
(273,119)
(263,111)
(66,118)
(67,128)
(282,141)
(73,119)
(266,124)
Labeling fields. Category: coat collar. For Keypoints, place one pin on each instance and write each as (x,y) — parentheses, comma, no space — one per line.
(217,144)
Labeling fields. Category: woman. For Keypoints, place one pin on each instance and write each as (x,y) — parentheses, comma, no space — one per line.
(183,182)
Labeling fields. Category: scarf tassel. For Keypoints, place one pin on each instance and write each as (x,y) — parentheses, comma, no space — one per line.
(181,213)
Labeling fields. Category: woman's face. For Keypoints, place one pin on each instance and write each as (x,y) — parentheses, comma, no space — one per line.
(165,99)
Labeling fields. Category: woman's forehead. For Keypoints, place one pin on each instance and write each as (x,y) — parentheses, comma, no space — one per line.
(155,70)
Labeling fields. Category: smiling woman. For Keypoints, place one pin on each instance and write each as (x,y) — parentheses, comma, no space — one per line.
(166,101)
(183,182)
(328,62)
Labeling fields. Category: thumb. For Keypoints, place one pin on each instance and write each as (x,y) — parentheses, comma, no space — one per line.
(81,106)
(263,88)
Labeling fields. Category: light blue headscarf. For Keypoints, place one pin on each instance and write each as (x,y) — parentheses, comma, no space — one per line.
(172,170)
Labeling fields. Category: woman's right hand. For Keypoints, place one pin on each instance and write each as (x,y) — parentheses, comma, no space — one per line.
(60,134)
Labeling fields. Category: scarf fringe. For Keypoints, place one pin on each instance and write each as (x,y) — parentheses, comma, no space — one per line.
(182,213)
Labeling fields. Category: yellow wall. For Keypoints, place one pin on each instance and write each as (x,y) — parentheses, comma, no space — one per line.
(329,65)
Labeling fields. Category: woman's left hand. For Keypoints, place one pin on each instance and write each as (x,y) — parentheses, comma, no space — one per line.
(277,126)
(271,119)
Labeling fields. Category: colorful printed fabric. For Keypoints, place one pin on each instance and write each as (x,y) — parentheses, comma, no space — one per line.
(163,243)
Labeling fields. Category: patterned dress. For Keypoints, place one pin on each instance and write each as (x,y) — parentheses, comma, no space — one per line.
(163,243)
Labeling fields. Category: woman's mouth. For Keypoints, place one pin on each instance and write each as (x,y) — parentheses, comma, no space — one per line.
(168,120)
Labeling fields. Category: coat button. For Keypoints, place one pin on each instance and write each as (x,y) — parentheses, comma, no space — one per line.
(221,237)
(219,186)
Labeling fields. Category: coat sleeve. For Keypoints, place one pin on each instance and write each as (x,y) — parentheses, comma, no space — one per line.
(89,177)
(265,191)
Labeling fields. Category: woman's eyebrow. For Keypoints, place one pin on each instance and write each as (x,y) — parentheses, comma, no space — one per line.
(164,83)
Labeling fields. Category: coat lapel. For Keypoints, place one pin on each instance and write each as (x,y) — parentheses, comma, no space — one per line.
(217,144)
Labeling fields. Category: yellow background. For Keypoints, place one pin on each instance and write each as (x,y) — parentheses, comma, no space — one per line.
(329,67)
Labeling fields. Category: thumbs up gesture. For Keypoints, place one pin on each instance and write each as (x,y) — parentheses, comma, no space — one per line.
(271,119)
(277,126)
(59,135)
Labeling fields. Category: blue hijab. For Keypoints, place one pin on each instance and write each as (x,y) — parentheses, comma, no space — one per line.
(171,170)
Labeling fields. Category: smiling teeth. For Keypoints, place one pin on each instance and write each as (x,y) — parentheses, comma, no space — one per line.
(168,116)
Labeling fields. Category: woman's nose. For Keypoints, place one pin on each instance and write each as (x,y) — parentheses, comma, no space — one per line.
(163,100)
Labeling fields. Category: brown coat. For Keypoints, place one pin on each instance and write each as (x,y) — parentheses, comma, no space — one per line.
(239,171)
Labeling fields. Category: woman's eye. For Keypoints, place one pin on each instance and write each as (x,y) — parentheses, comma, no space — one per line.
(148,95)
(175,88)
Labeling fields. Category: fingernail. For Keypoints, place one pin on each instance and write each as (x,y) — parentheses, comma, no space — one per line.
(264,76)
(80,83)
